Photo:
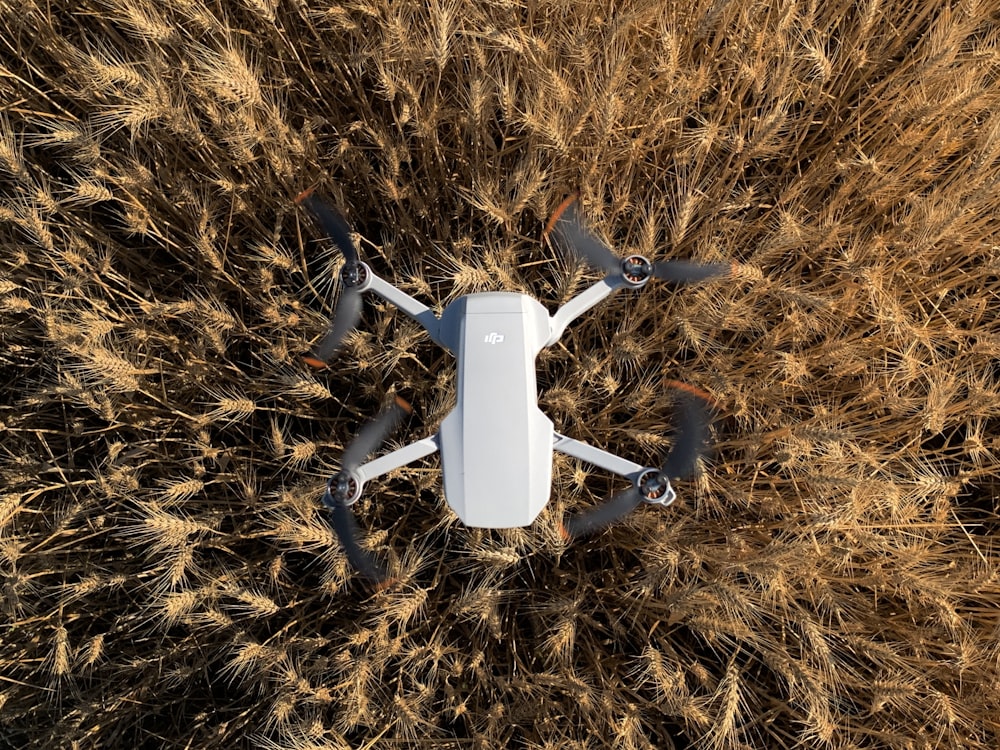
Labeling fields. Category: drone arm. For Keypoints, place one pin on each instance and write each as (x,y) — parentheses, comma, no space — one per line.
(412,307)
(400,457)
(581,303)
(597,457)
(344,489)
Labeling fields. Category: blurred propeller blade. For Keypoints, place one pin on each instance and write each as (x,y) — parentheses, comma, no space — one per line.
(348,312)
(692,421)
(333,224)
(347,531)
(345,320)
(692,435)
(368,439)
(370,436)
(603,515)
(565,222)
(685,272)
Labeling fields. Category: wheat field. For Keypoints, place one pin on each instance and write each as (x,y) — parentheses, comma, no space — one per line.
(828,580)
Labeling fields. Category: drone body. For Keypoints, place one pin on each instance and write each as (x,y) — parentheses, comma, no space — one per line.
(496,445)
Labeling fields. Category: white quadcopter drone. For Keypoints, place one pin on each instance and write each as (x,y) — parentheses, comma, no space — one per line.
(502,481)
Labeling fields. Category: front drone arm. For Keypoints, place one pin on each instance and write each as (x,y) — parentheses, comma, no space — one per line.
(409,305)
(633,271)
(357,278)
(583,302)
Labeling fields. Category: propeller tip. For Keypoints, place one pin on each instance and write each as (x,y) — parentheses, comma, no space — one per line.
(305,194)
(385,584)
(564,533)
(404,404)
(568,201)
(692,390)
(315,363)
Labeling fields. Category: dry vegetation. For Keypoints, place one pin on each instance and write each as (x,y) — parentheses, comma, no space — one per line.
(829,581)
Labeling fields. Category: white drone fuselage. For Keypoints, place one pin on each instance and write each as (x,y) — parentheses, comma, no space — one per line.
(496,444)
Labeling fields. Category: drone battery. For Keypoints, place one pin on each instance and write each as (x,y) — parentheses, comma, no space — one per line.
(496,446)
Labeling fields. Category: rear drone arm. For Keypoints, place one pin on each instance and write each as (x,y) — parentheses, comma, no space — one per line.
(600,458)
(583,302)
(345,487)
(399,457)
(650,485)
(400,299)
(660,492)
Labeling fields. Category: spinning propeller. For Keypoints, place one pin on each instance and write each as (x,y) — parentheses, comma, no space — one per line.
(353,276)
(653,485)
(343,488)
(636,269)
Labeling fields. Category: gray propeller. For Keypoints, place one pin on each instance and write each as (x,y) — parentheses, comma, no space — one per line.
(692,422)
(568,227)
(348,312)
(342,487)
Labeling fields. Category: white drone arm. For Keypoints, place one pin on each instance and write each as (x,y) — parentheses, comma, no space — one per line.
(597,457)
(412,307)
(583,302)
(399,457)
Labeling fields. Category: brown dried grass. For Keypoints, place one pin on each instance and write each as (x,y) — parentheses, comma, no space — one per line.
(831,578)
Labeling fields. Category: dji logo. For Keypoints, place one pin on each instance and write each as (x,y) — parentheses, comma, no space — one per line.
(494,338)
